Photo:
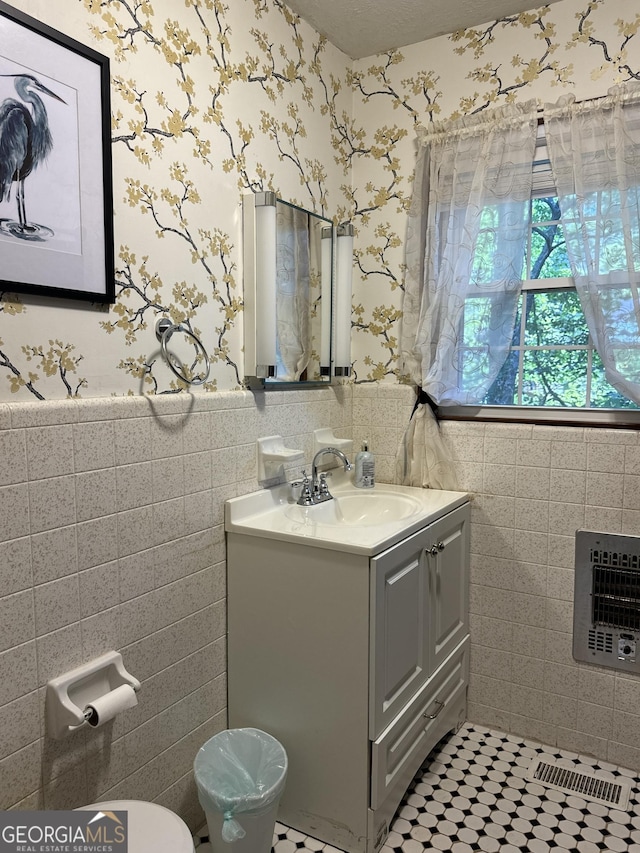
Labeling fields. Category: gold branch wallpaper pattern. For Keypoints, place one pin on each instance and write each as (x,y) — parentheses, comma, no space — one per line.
(213,99)
(210,100)
(571,46)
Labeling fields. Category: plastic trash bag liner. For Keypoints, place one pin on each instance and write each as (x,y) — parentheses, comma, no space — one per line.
(239,771)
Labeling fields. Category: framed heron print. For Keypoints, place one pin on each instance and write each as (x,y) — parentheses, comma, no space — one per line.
(56,201)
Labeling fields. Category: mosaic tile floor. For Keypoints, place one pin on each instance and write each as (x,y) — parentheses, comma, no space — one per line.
(472,795)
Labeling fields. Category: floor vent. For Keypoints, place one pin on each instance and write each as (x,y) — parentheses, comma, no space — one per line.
(590,785)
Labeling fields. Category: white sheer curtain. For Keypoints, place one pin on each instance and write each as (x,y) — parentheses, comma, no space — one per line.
(466,239)
(594,148)
(292,292)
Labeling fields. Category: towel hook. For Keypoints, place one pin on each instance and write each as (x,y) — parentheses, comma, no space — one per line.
(164,329)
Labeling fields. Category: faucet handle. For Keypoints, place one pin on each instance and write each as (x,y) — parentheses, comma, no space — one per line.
(323,488)
(323,480)
(305,498)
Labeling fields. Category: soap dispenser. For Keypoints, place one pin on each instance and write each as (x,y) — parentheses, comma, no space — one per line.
(365,466)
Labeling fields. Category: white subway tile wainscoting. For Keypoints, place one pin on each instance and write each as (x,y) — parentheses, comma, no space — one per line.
(100,550)
(533,486)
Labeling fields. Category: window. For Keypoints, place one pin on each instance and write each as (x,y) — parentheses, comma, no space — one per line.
(552,363)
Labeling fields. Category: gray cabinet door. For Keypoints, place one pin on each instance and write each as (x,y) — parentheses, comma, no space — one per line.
(419,602)
(399,632)
(447,556)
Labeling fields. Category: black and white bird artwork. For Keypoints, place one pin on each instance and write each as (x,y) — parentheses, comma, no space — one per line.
(25,143)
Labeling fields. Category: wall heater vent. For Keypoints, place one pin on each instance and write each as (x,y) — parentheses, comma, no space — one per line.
(606,615)
(588,784)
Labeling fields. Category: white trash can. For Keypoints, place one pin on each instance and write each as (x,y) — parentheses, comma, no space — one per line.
(240,776)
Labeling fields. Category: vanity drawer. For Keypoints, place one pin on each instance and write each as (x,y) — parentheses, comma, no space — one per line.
(403,746)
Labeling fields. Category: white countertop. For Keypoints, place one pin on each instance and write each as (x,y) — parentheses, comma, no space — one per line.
(274,514)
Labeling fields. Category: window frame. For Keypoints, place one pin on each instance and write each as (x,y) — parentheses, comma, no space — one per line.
(543,185)
(551,416)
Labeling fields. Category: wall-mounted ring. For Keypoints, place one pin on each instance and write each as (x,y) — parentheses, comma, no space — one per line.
(164,329)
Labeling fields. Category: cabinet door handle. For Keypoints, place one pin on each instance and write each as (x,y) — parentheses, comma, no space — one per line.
(433,716)
(435,549)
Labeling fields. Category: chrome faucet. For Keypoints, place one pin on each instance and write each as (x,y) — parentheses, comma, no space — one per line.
(316,490)
(319,487)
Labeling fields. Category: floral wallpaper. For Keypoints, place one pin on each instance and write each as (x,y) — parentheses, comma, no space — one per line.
(572,46)
(211,100)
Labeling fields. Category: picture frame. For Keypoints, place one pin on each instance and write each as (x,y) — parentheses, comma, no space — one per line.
(56,196)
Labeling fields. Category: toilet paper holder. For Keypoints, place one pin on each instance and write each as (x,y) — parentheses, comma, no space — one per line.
(71,697)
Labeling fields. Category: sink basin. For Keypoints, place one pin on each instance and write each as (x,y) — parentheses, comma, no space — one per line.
(357,521)
(364,509)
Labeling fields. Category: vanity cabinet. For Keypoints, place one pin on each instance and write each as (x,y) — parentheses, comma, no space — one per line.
(357,663)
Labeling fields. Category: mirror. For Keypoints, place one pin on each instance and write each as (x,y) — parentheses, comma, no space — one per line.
(288,263)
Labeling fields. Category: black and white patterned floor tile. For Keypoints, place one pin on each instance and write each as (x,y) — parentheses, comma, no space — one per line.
(471,796)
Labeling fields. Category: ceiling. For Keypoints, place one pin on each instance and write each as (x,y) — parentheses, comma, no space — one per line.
(365,27)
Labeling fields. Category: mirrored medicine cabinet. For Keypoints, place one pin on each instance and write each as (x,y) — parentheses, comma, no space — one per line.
(292,301)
